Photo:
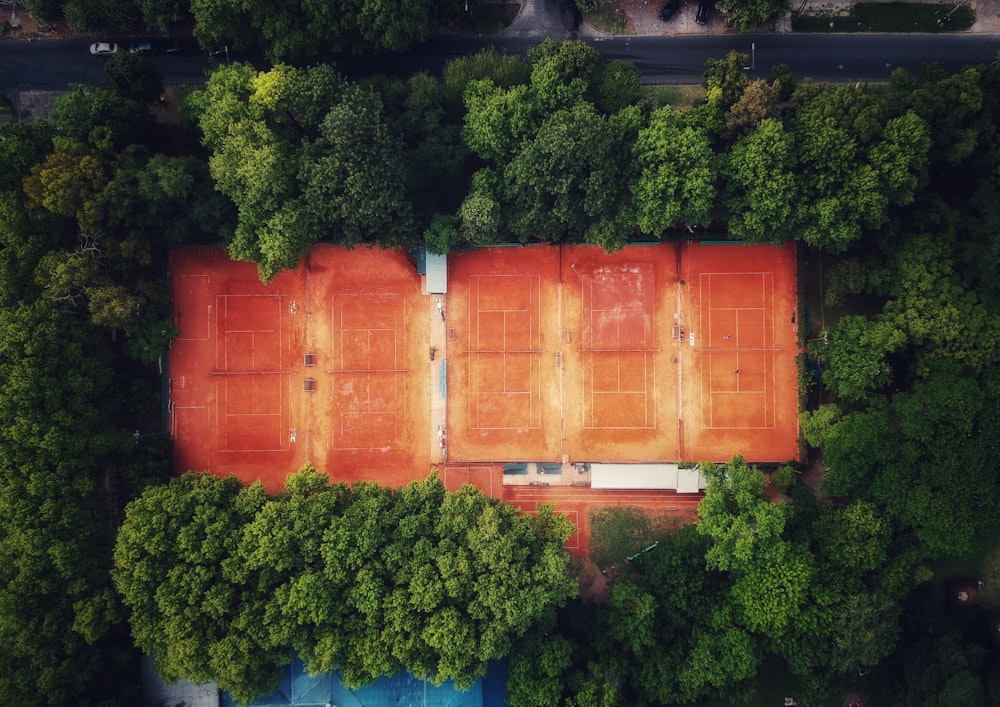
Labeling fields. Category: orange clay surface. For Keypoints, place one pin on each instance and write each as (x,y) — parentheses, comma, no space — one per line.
(575,502)
(238,369)
(666,352)
(740,391)
(570,353)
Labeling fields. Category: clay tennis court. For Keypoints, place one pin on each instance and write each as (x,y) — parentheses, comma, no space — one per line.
(325,364)
(743,395)
(538,362)
(660,352)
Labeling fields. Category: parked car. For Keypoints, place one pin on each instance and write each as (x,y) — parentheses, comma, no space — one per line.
(141,48)
(704,10)
(103,48)
(181,48)
(670,9)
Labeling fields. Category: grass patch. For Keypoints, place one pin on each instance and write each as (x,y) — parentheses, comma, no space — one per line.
(890,17)
(609,17)
(487,18)
(982,564)
(676,96)
(616,532)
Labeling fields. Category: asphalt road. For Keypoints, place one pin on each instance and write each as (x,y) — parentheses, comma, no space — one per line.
(54,64)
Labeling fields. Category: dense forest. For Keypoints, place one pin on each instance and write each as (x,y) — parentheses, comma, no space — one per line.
(892,191)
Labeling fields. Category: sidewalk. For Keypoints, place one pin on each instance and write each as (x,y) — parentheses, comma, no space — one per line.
(643,17)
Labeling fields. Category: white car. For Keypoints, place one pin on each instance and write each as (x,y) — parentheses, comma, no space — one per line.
(103,48)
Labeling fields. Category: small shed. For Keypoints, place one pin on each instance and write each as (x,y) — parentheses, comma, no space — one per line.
(437,274)
(633,476)
(646,476)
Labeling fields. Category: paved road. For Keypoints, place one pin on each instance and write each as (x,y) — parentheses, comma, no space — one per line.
(678,60)
(54,64)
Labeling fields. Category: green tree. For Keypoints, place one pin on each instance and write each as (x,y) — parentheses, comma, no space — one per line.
(479,215)
(772,575)
(224,582)
(761,190)
(133,76)
(62,620)
(353,182)
(497,120)
(758,102)
(840,193)
(567,180)
(856,354)
(22,145)
(300,30)
(946,669)
(100,118)
(504,70)
(726,79)
(747,15)
(436,153)
(677,184)
(619,86)
(738,516)
(170,564)
(931,305)
(161,14)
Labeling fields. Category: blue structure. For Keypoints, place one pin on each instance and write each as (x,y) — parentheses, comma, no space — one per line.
(299,689)
(437,273)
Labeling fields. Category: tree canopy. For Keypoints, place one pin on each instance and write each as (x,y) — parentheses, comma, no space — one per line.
(224,582)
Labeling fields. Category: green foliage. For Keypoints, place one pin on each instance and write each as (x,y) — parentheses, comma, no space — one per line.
(21,146)
(726,79)
(133,76)
(845,278)
(748,15)
(783,477)
(479,214)
(432,135)
(303,157)
(772,575)
(296,31)
(677,181)
(930,304)
(761,186)
(566,180)
(570,59)
(224,583)
(497,120)
(947,670)
(923,459)
(100,118)
(60,617)
(856,353)
(737,515)
(504,70)
(758,102)
(619,86)
(442,236)
(170,570)
(90,15)
(161,14)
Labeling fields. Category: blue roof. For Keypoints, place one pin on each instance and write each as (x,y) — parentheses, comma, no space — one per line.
(437,274)
(300,689)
